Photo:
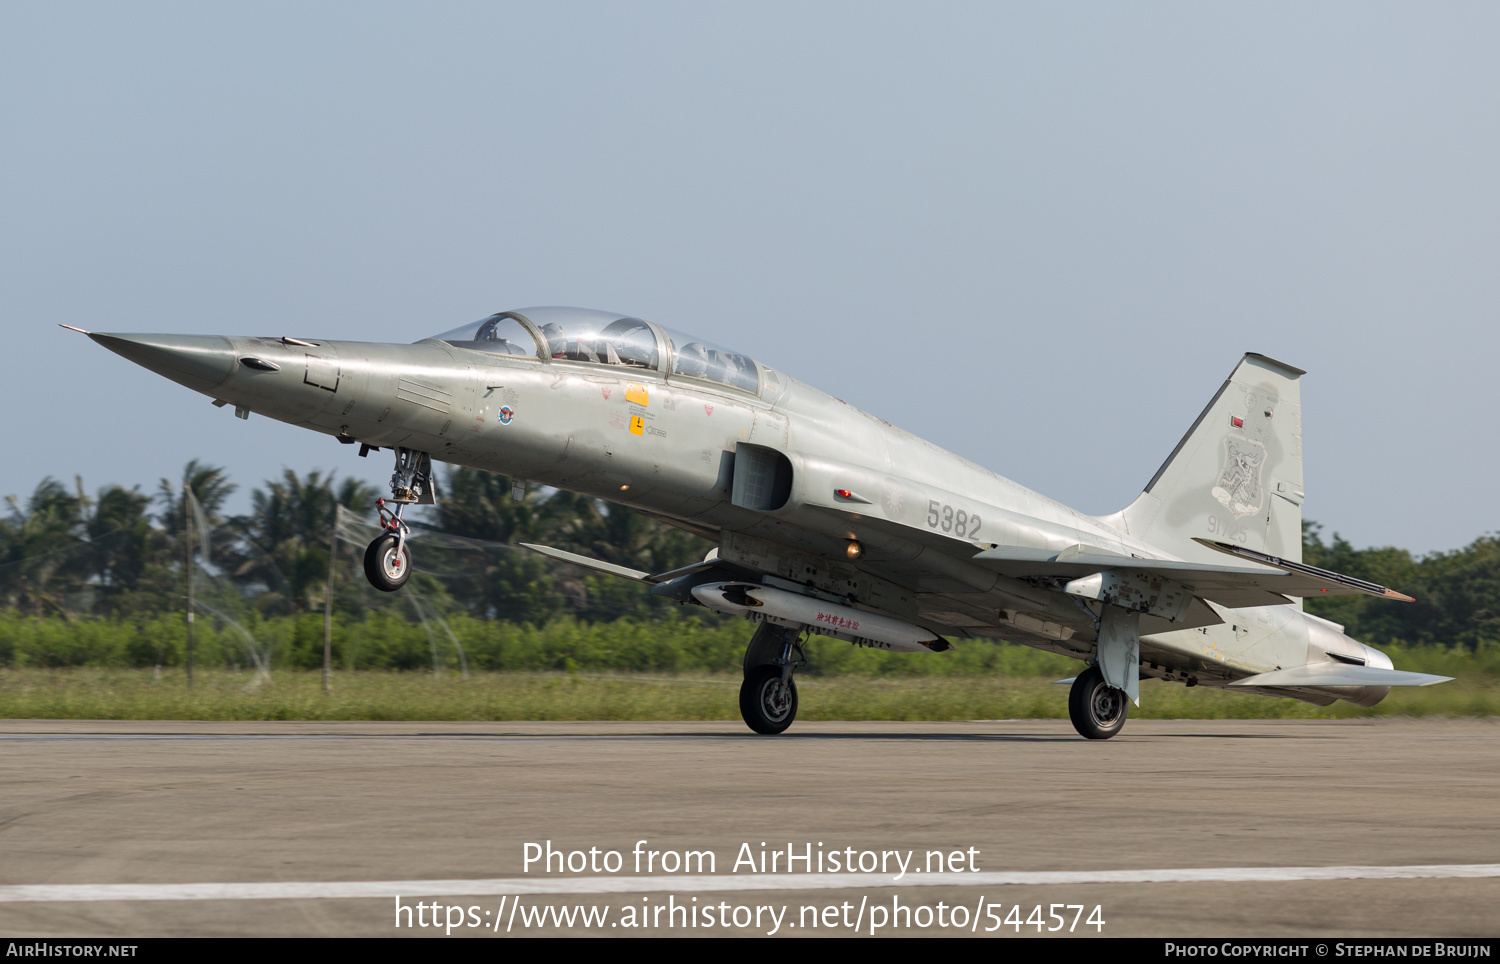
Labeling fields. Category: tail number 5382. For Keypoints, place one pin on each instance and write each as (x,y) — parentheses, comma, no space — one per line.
(949,519)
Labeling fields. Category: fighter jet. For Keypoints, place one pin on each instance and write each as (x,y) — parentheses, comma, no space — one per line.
(830,520)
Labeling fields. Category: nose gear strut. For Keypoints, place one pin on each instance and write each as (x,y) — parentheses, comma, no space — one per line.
(388,558)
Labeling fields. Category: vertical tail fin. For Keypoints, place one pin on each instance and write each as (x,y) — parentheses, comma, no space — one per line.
(1236,476)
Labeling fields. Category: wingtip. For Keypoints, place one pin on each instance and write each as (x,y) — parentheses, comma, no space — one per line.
(1403,597)
(79,330)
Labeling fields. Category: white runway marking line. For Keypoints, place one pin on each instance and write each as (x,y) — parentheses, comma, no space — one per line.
(542,886)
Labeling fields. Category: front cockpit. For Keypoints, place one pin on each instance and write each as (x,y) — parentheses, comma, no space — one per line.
(590,337)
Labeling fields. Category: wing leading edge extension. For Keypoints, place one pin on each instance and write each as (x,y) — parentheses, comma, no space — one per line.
(624,572)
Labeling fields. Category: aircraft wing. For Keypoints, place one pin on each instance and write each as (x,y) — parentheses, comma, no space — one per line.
(1232,586)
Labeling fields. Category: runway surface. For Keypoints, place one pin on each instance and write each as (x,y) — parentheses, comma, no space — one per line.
(1176,828)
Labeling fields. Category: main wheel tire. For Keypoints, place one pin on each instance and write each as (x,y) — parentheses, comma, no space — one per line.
(768,705)
(1097,709)
(387,569)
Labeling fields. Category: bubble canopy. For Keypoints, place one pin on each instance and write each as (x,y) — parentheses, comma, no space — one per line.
(696,358)
(603,338)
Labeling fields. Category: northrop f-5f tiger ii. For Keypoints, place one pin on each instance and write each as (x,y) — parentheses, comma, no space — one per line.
(832,521)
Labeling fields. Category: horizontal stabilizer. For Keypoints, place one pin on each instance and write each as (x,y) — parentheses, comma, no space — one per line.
(1340,674)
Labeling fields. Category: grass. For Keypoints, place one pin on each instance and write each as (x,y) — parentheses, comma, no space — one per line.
(131,694)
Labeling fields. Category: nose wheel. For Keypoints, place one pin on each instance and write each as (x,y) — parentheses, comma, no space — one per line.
(388,558)
(388,562)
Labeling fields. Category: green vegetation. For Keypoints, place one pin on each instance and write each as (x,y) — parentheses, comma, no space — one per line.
(124,554)
(1458,592)
(677,643)
(627,670)
(134,694)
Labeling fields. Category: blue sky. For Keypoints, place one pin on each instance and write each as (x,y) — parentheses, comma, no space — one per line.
(1039,234)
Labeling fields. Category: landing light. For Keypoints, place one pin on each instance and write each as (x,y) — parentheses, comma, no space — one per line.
(853,550)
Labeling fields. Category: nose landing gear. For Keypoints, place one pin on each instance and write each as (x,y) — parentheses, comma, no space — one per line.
(388,558)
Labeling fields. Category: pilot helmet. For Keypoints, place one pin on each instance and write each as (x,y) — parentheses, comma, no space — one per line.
(692,360)
(557,341)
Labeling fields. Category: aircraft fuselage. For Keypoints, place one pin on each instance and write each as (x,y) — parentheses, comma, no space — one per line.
(790,482)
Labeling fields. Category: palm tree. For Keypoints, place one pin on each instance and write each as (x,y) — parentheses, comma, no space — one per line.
(210,487)
(122,543)
(522,586)
(491,579)
(40,548)
(479,505)
(284,539)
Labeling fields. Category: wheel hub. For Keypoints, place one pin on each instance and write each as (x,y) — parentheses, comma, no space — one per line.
(776,699)
(1105,704)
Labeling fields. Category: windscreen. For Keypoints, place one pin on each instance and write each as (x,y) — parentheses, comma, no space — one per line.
(603,338)
(498,334)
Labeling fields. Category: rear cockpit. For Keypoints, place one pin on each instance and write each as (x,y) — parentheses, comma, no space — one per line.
(590,337)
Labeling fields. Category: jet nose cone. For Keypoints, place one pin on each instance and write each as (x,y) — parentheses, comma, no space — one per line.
(201,362)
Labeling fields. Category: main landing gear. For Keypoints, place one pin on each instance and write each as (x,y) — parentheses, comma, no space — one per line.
(1097,709)
(768,696)
(388,558)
